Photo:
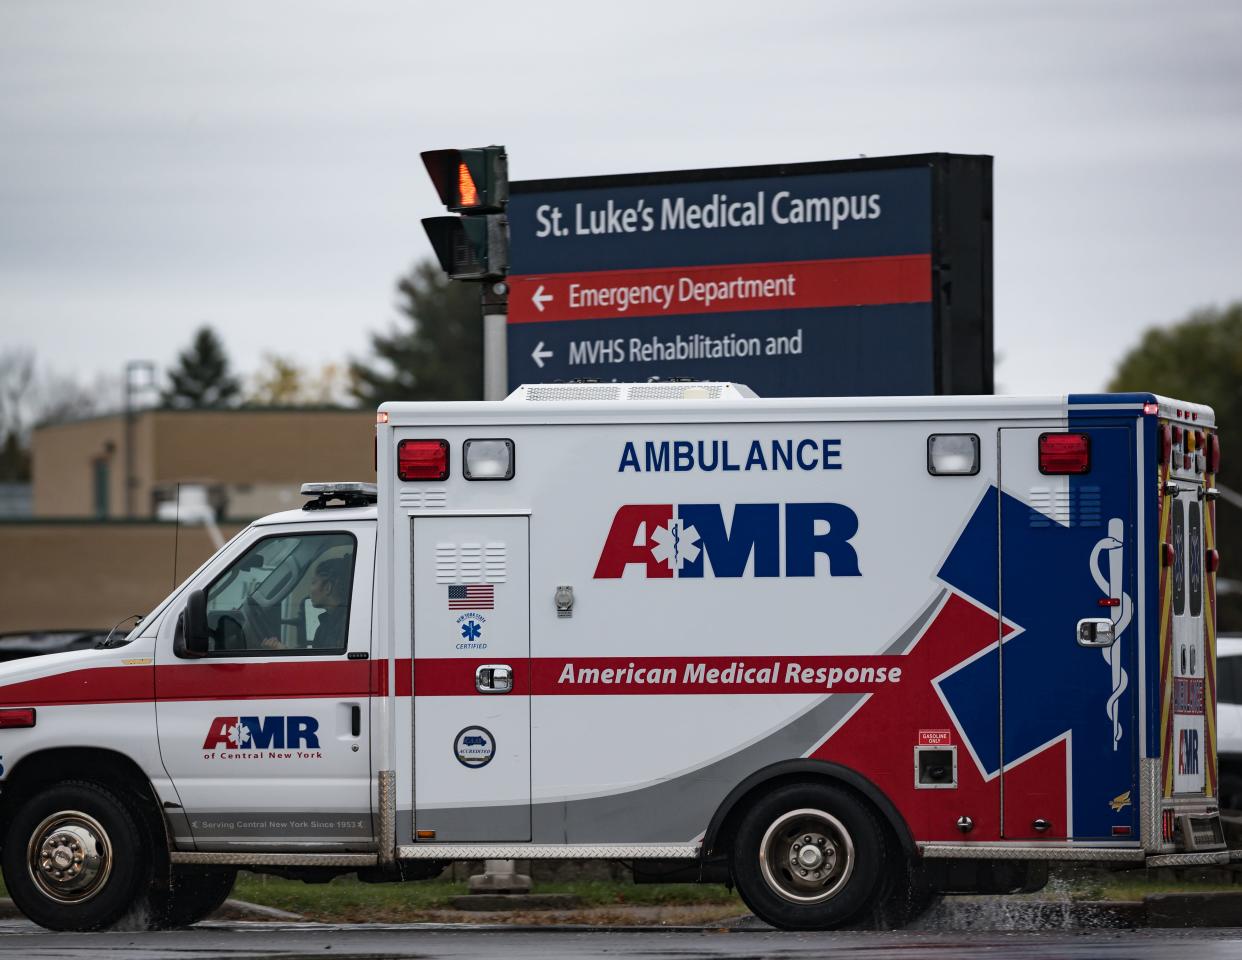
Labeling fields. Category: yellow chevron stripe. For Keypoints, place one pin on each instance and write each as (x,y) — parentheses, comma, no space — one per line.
(1166,583)
(1209,623)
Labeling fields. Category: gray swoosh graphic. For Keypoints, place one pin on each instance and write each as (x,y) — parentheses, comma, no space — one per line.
(673,810)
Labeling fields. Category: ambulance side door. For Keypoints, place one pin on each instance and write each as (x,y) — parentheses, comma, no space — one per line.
(472,744)
(267,737)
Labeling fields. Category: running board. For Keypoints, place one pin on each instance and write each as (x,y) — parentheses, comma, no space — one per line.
(1208,858)
(1002,851)
(548,851)
(354,860)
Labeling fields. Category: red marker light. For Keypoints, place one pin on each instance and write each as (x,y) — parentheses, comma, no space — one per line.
(467,192)
(1211,560)
(1151,409)
(423,459)
(1061,453)
(1166,443)
(17,717)
(1213,453)
(1168,554)
(1110,601)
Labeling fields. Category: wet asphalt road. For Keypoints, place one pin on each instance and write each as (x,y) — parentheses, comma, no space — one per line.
(240,941)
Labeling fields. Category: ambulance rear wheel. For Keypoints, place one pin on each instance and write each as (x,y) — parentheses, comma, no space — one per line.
(809,857)
(74,857)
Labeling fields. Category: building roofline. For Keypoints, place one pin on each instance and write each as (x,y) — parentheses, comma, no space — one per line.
(147,411)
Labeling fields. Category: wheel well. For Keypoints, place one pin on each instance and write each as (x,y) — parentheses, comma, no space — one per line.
(84,763)
(720,832)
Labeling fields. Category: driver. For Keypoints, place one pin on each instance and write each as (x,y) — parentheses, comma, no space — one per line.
(329,591)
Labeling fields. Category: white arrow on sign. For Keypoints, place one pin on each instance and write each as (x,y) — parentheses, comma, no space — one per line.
(539,298)
(539,354)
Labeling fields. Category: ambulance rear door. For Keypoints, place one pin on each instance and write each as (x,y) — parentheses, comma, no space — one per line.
(1069,680)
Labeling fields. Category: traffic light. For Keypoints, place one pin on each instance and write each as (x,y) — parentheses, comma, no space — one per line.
(474,183)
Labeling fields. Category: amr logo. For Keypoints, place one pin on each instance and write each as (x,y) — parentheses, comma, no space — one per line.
(262,733)
(666,540)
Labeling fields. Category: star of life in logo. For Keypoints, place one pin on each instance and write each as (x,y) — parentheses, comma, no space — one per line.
(675,544)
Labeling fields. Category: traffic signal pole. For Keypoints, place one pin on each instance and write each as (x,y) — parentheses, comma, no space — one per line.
(474,246)
(495,300)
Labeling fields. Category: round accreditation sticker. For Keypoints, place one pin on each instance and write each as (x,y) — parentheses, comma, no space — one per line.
(474,747)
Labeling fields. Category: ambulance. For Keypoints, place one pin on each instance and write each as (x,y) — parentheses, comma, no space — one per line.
(839,653)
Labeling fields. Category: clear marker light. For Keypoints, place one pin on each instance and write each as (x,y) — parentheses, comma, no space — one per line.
(488,459)
(953,454)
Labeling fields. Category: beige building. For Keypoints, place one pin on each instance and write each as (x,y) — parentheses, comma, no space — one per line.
(91,555)
(250,462)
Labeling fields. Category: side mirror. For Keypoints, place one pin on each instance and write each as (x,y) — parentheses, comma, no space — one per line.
(195,630)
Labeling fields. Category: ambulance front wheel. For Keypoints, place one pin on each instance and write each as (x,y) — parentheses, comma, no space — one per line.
(74,857)
(191,894)
(809,857)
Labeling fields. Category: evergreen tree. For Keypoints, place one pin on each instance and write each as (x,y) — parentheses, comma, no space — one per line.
(14,460)
(202,378)
(436,353)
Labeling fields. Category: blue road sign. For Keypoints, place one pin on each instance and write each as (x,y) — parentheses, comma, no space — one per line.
(817,279)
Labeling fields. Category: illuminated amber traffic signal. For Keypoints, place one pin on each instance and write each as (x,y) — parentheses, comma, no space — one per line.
(470,181)
(474,183)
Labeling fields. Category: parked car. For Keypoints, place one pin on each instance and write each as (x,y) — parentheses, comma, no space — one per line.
(1229,719)
(33,643)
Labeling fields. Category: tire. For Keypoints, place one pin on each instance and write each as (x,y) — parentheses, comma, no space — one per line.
(904,894)
(191,894)
(821,885)
(74,857)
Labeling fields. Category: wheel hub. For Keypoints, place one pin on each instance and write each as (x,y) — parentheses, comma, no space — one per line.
(70,856)
(806,856)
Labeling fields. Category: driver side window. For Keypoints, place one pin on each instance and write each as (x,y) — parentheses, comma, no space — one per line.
(285,595)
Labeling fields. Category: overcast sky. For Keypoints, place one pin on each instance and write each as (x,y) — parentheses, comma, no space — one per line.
(255,166)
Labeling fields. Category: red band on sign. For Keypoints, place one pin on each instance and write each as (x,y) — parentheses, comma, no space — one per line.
(730,288)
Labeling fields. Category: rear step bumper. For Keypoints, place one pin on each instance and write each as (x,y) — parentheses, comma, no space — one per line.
(1206,858)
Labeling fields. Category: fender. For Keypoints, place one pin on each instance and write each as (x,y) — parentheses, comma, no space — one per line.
(802,769)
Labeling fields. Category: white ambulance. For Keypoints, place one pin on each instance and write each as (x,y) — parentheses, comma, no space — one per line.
(838,652)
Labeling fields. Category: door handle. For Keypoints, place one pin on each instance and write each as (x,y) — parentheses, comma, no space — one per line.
(1096,632)
(493,678)
(355,720)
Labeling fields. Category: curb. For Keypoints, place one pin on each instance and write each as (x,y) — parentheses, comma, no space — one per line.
(517,901)
(950,914)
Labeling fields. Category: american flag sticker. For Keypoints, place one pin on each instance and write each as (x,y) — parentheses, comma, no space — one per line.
(471,596)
